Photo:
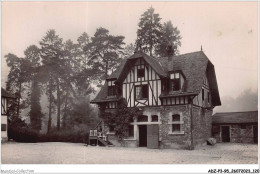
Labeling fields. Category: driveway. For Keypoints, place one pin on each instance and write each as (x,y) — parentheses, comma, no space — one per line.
(70,153)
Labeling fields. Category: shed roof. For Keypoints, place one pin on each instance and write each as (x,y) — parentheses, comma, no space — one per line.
(235,117)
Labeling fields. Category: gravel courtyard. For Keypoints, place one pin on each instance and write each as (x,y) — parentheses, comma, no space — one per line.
(69,153)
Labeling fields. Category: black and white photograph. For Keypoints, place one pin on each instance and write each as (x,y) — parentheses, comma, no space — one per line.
(128,82)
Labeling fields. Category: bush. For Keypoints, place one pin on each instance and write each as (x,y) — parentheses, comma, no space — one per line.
(23,134)
(77,134)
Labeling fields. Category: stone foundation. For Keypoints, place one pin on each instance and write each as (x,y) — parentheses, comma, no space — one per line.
(177,140)
(4,139)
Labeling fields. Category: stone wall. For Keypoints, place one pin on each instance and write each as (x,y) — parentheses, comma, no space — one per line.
(202,125)
(240,133)
(182,140)
(167,139)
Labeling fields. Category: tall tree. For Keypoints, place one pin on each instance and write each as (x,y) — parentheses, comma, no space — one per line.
(149,31)
(105,51)
(83,50)
(32,55)
(72,65)
(169,42)
(17,76)
(51,53)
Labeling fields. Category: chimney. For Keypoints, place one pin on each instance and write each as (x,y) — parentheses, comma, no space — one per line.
(170,52)
(137,48)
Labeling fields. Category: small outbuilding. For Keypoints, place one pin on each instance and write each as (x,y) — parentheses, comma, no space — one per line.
(235,127)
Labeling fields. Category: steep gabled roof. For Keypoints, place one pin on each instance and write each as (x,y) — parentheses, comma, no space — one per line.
(194,66)
(235,117)
(153,62)
(5,94)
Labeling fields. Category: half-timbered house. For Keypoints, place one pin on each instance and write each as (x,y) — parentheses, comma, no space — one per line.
(5,97)
(176,94)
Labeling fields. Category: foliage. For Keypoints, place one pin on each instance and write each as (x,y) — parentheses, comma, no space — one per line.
(83,51)
(129,50)
(32,56)
(149,32)
(155,38)
(121,119)
(105,51)
(19,131)
(81,113)
(51,53)
(77,134)
(65,72)
(26,134)
(170,41)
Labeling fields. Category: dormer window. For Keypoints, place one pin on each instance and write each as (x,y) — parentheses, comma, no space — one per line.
(140,71)
(175,84)
(111,88)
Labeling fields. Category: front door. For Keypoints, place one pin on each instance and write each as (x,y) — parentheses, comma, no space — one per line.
(255,131)
(225,133)
(142,136)
(153,136)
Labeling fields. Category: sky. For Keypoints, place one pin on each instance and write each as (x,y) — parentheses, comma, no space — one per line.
(227,31)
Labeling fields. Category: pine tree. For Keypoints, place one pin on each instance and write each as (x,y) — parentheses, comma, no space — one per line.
(170,41)
(51,53)
(149,32)
(32,55)
(18,75)
(105,51)
(83,50)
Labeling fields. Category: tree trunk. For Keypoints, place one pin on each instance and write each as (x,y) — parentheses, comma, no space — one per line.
(106,75)
(151,51)
(19,97)
(50,105)
(58,104)
(65,109)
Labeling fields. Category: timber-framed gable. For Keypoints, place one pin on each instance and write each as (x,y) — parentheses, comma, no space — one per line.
(175,94)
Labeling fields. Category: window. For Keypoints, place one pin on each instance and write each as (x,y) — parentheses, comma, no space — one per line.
(176,127)
(176,124)
(140,73)
(4,106)
(111,105)
(174,82)
(154,118)
(111,88)
(141,92)
(142,118)
(176,117)
(131,131)
(3,127)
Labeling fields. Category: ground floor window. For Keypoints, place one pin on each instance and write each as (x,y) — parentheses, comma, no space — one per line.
(176,127)
(142,118)
(3,127)
(176,124)
(154,118)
